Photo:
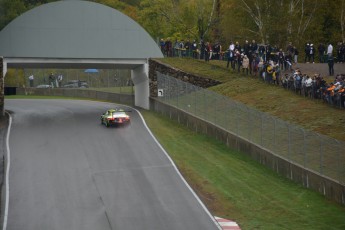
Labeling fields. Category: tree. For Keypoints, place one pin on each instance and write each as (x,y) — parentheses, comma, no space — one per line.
(9,10)
(178,18)
(342,19)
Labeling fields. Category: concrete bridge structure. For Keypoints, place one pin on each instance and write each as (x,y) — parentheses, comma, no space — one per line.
(78,34)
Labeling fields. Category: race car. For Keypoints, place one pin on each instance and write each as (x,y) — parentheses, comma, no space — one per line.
(115,117)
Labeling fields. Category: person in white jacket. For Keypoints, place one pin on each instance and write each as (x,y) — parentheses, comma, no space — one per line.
(330,50)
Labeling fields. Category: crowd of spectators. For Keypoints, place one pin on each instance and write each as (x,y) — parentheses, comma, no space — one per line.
(315,87)
(273,65)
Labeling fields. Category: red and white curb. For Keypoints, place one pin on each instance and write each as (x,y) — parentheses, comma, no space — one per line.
(227,224)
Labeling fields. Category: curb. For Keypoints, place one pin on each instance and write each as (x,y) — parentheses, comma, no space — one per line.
(227,224)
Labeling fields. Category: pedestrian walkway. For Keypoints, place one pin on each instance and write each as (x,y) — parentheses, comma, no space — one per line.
(227,224)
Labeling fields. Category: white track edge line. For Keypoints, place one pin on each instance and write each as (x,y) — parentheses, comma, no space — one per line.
(7,200)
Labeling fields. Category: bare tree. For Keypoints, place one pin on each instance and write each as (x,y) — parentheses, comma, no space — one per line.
(260,15)
(342,19)
(203,23)
(299,17)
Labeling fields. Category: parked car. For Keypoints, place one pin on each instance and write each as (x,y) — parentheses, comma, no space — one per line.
(43,86)
(76,84)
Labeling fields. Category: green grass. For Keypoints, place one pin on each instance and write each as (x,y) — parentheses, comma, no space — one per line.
(234,186)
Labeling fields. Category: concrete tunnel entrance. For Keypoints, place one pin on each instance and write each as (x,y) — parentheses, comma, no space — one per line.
(78,34)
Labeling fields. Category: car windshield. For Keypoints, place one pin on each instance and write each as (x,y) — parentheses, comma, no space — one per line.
(119,113)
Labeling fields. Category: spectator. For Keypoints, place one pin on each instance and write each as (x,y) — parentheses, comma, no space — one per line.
(255,64)
(51,80)
(298,82)
(238,60)
(245,64)
(269,74)
(60,78)
(168,48)
(162,45)
(202,49)
(231,55)
(181,49)
(208,51)
(331,65)
(307,52)
(195,49)
(329,50)
(31,80)
(246,48)
(261,51)
(308,85)
(290,48)
(339,52)
(237,47)
(276,74)
(268,52)
(188,48)
(311,53)
(254,47)
(321,48)
(281,59)
(176,48)
(216,51)
(295,55)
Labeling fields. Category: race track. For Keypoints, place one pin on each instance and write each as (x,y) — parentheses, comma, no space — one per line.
(70,172)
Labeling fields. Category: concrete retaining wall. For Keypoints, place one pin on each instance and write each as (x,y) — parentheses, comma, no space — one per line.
(297,173)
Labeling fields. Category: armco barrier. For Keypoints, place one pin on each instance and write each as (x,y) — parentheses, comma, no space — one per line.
(297,173)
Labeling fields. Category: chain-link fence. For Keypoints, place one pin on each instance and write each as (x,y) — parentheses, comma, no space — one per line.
(311,150)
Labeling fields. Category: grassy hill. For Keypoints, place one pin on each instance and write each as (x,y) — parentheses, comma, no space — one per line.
(309,113)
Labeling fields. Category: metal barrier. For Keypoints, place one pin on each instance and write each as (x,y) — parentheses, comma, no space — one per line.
(311,150)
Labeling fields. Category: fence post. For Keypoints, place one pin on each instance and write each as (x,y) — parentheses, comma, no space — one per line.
(321,158)
(262,130)
(304,149)
(289,145)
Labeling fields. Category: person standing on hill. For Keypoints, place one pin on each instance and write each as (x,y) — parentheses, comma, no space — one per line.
(311,53)
(330,50)
(321,48)
(245,64)
(295,54)
(331,65)
(307,53)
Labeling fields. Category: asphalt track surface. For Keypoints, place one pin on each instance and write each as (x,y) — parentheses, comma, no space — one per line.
(70,172)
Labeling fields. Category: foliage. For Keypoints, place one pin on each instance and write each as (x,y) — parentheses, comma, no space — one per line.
(271,21)
(14,78)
